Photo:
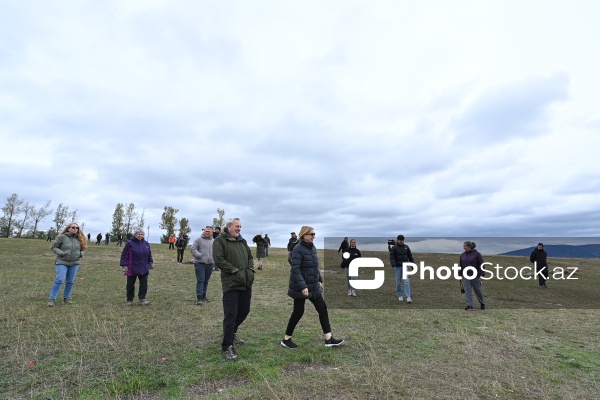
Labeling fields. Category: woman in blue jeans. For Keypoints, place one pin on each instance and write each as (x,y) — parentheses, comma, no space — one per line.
(69,247)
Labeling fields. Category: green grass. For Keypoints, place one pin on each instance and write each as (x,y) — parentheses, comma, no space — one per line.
(533,349)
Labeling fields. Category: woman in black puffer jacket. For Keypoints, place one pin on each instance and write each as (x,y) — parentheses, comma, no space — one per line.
(306,283)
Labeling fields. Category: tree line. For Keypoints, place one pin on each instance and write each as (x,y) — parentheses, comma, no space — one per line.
(22,219)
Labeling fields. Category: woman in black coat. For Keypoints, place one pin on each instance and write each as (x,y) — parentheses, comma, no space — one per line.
(306,283)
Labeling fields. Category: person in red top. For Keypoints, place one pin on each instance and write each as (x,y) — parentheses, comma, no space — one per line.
(172,241)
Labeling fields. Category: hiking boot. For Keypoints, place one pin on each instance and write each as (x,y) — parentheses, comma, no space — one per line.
(408,300)
(129,303)
(67,301)
(289,344)
(333,342)
(51,303)
(237,341)
(144,302)
(229,354)
(469,308)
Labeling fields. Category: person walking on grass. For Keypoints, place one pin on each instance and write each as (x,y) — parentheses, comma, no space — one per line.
(472,258)
(540,264)
(352,253)
(306,283)
(181,244)
(202,250)
(69,247)
(261,246)
(399,254)
(267,244)
(136,262)
(234,258)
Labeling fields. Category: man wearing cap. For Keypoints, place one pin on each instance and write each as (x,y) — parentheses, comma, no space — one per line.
(234,258)
(291,244)
(400,253)
(538,258)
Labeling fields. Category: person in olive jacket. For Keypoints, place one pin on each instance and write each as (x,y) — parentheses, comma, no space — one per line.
(306,283)
(234,258)
(137,261)
(69,247)
(538,258)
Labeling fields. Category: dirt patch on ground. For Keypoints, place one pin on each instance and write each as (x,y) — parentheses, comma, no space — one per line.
(212,387)
(301,368)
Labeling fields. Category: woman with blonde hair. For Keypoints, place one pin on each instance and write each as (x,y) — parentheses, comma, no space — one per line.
(69,247)
(306,284)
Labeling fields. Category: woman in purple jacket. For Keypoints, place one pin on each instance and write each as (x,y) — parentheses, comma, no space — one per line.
(472,258)
(136,261)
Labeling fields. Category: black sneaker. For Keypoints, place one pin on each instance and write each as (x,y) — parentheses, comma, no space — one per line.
(199,302)
(333,342)
(237,341)
(289,344)
(482,306)
(230,354)
(206,300)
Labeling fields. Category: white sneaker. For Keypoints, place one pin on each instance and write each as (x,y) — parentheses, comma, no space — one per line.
(353,293)
(349,292)
(408,300)
(400,299)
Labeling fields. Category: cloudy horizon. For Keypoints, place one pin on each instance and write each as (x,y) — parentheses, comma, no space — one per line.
(459,119)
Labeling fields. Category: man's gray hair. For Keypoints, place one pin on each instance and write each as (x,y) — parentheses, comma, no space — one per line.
(231,221)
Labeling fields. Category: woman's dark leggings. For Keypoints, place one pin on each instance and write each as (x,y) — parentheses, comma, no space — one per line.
(298,312)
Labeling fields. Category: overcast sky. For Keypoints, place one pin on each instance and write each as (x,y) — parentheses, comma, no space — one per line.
(359,118)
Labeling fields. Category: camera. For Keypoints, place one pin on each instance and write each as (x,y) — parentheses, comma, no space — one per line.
(391,242)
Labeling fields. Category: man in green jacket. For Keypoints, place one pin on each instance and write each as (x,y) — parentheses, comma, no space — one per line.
(234,258)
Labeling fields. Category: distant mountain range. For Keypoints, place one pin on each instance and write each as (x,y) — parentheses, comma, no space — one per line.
(562,251)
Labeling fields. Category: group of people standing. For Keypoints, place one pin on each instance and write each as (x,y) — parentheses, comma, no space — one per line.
(230,252)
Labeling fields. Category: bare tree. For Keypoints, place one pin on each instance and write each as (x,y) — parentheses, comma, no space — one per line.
(11,210)
(21,225)
(60,216)
(141,222)
(130,214)
(39,214)
(73,216)
(220,221)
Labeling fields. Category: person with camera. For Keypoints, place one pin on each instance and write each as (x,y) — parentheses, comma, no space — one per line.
(472,258)
(352,253)
(400,253)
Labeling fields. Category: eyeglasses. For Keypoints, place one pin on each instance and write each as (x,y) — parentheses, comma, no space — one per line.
(311,234)
(74,227)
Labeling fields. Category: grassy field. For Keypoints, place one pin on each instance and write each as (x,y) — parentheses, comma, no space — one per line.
(527,345)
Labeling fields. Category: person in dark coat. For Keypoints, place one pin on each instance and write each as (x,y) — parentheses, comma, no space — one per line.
(306,283)
(261,246)
(353,253)
(472,258)
(538,258)
(291,244)
(136,261)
